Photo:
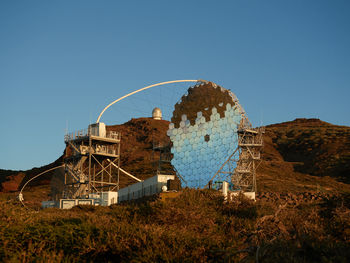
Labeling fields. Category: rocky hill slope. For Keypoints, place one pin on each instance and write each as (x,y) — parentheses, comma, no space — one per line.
(305,154)
(298,156)
(301,213)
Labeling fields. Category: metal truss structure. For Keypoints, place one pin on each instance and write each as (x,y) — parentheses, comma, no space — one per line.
(250,142)
(89,159)
(162,158)
(161,155)
(240,167)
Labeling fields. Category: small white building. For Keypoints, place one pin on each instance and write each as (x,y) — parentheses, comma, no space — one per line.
(150,186)
(98,129)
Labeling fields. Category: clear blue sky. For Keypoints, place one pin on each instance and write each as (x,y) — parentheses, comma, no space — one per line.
(63,61)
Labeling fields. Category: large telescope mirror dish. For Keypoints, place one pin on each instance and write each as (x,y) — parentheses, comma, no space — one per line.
(203,132)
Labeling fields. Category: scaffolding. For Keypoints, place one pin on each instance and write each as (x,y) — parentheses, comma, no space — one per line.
(162,158)
(90,156)
(240,167)
(250,142)
(161,155)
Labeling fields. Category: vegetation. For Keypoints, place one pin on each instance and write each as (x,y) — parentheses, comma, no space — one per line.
(314,147)
(302,213)
(197,226)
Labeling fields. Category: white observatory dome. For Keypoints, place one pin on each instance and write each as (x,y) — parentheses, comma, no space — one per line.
(157,114)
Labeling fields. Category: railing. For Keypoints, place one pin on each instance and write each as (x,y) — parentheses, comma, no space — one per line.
(110,149)
(86,132)
(251,137)
(76,135)
(113,135)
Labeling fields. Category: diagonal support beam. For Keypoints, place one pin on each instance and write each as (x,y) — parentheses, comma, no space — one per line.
(222,166)
(128,174)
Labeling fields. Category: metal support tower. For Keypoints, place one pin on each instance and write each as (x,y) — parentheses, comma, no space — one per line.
(241,166)
(250,142)
(89,160)
(162,157)
(161,152)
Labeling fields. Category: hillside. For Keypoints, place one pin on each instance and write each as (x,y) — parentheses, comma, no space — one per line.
(138,137)
(305,155)
(300,155)
(301,214)
(11,181)
(316,147)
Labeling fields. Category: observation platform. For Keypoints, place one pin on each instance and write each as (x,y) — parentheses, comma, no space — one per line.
(85,135)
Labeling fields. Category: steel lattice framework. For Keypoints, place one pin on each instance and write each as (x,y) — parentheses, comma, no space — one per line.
(89,161)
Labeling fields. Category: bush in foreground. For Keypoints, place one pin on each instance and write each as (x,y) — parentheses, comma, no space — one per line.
(195,227)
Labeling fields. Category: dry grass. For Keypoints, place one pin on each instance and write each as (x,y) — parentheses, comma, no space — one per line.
(301,215)
(195,227)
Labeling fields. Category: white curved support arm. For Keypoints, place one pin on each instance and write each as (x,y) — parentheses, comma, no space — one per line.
(20,195)
(136,91)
